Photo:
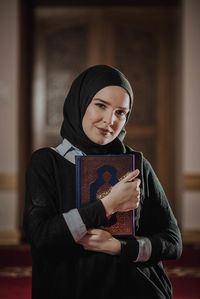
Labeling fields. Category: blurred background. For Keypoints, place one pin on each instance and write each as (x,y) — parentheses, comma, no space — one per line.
(44,45)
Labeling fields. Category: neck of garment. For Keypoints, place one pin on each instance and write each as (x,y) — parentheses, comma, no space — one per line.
(68,151)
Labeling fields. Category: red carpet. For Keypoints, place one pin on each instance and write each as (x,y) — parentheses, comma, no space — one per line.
(15,273)
(184,273)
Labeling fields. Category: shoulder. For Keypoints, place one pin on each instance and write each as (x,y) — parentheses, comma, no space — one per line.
(129,150)
(42,158)
(142,163)
(42,154)
(140,159)
(47,158)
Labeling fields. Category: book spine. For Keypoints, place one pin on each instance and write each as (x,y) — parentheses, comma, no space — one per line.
(133,223)
(133,219)
(78,181)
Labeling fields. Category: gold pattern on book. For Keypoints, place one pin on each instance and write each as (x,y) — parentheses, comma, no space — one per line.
(106,176)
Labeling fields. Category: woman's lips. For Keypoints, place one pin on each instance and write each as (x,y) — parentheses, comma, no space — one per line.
(104,131)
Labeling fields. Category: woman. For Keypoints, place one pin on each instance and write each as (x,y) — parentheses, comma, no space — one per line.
(72,257)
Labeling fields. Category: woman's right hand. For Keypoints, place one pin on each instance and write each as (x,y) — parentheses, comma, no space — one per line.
(124,196)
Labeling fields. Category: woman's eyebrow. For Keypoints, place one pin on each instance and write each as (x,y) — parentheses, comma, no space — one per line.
(107,103)
(103,101)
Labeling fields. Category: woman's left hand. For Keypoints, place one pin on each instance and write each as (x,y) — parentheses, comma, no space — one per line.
(101,241)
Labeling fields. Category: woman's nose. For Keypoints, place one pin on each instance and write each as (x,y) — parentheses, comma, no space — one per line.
(109,117)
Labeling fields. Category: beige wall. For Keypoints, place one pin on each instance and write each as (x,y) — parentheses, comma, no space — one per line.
(191,110)
(9,56)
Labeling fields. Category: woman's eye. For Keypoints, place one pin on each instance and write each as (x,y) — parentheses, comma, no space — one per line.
(121,112)
(100,105)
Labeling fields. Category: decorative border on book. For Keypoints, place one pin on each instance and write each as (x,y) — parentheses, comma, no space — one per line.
(192,182)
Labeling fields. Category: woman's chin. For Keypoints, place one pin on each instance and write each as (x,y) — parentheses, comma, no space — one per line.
(102,141)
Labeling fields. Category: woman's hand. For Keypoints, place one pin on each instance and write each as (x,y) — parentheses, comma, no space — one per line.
(101,241)
(124,196)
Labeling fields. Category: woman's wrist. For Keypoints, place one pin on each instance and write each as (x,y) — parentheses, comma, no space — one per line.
(108,206)
(116,247)
(112,246)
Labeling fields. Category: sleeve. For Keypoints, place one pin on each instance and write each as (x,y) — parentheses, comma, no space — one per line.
(165,234)
(43,224)
(75,224)
(94,215)
(157,221)
(91,216)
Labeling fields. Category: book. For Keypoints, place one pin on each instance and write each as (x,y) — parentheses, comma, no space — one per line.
(95,176)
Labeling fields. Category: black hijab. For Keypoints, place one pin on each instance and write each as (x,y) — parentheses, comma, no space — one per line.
(82,91)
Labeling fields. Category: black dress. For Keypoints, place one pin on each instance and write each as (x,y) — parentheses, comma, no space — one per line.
(63,269)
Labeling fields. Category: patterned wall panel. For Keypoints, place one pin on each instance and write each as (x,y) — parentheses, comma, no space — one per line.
(66,56)
(136,56)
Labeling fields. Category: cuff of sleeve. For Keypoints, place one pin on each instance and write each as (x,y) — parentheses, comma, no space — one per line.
(129,249)
(145,249)
(94,215)
(75,224)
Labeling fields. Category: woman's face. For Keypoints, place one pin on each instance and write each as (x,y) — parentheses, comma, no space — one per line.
(106,114)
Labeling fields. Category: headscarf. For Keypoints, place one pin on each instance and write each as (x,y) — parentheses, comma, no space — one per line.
(81,93)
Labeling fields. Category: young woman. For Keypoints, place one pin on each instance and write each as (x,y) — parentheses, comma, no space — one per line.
(72,257)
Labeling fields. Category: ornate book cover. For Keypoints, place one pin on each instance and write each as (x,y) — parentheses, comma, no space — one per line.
(95,176)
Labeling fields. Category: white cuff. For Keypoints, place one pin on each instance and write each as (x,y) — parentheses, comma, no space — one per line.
(145,249)
(75,224)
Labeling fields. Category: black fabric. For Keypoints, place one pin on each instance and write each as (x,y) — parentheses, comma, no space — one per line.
(83,89)
(93,215)
(129,250)
(62,269)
